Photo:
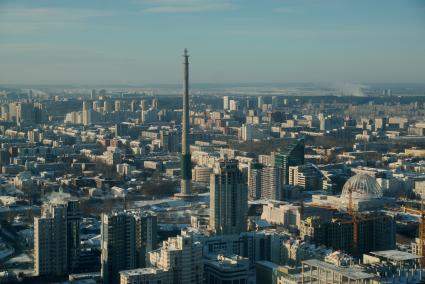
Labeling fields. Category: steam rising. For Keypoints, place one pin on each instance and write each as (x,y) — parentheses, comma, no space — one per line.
(348,89)
(57,197)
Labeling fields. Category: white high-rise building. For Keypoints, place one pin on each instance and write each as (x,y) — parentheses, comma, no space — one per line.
(260,102)
(233,105)
(226,102)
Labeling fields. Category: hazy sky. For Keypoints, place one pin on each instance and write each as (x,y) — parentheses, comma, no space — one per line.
(141,41)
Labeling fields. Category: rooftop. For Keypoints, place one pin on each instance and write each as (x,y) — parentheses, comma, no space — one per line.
(396,255)
(140,271)
(351,272)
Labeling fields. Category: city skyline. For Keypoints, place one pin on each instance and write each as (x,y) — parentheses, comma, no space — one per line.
(212,141)
(232,41)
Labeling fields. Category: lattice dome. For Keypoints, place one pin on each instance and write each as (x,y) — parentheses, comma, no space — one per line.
(362,187)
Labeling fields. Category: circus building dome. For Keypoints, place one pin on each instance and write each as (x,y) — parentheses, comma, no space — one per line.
(362,187)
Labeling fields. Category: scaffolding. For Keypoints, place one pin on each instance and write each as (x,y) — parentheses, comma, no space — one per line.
(421,214)
(320,272)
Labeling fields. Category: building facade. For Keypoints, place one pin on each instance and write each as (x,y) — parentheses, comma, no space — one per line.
(228,199)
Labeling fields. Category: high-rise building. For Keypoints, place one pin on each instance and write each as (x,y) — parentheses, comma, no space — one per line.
(118,106)
(146,236)
(25,114)
(143,105)
(254,181)
(50,242)
(5,112)
(125,238)
(186,163)
(73,214)
(260,102)
(169,140)
(182,256)
(292,155)
(228,199)
(107,106)
(4,157)
(87,113)
(234,105)
(121,129)
(155,103)
(226,102)
(271,183)
(93,94)
(133,106)
(57,239)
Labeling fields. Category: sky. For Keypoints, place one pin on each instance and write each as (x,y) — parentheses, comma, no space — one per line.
(230,41)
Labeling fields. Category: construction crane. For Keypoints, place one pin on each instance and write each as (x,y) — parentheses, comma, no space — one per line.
(350,210)
(421,214)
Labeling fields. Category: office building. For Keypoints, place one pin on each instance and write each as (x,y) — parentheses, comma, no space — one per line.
(307,176)
(222,269)
(292,155)
(228,199)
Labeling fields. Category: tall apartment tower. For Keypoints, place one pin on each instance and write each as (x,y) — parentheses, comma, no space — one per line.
(25,114)
(50,241)
(107,106)
(146,236)
(73,214)
(118,245)
(186,168)
(254,180)
(228,199)
(181,257)
(271,183)
(226,102)
(292,155)
(125,238)
(87,113)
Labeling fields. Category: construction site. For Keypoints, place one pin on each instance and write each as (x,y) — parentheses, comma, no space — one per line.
(358,225)
(389,266)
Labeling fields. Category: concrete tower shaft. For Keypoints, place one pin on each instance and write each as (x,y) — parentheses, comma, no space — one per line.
(186,169)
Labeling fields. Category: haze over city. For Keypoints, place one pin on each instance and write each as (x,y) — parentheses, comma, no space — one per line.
(233,41)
